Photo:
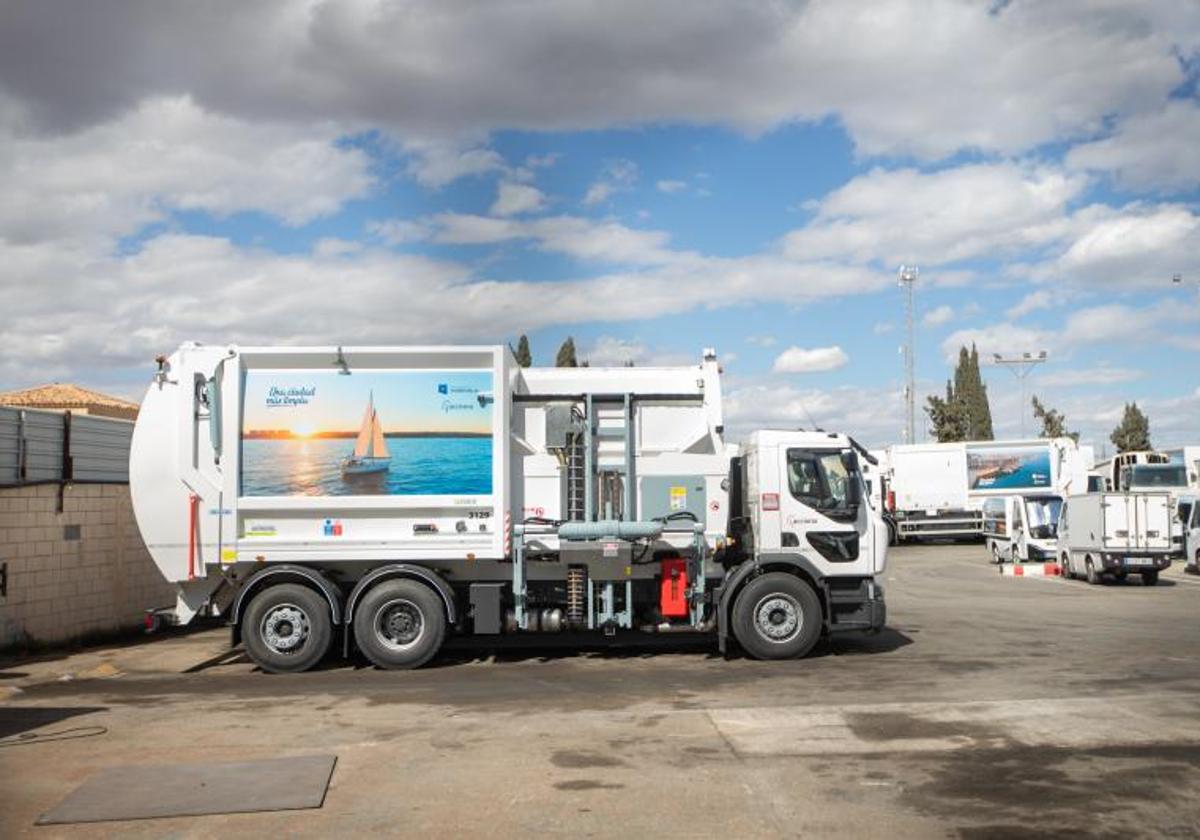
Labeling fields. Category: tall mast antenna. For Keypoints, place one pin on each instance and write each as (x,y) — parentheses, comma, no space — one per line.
(908,281)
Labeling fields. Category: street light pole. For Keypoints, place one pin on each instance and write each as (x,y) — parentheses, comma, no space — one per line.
(1021,366)
(908,281)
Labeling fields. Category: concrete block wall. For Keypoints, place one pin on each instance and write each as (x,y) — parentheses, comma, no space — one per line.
(69,582)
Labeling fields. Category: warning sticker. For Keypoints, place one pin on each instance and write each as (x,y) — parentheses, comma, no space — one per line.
(678,498)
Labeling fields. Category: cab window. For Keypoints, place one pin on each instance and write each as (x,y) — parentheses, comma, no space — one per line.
(824,481)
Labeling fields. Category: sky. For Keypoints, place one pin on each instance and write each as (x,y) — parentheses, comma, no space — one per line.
(405,401)
(651,178)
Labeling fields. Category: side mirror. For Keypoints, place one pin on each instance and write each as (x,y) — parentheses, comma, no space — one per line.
(212,393)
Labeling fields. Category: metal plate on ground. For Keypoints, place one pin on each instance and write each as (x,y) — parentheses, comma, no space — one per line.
(142,792)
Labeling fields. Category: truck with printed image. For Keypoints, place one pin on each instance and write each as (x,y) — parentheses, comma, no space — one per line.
(381,500)
(938,490)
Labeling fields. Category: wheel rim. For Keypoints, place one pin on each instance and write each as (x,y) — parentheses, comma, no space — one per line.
(399,624)
(778,618)
(285,628)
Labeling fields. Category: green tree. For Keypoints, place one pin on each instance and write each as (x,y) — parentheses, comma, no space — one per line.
(523,354)
(964,414)
(949,416)
(1054,423)
(1132,434)
(566,354)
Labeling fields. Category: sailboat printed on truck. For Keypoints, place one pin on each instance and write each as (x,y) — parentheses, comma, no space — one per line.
(371,454)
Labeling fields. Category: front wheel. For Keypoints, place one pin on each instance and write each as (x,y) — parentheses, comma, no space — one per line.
(1093,577)
(400,624)
(997,558)
(777,616)
(287,628)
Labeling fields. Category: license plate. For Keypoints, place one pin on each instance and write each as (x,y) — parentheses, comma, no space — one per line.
(1138,561)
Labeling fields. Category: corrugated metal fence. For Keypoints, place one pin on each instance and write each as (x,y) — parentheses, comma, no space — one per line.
(52,446)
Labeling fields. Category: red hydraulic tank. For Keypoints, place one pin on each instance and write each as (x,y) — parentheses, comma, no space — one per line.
(672,600)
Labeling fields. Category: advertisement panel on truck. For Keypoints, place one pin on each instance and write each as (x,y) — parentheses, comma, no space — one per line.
(1008,468)
(371,433)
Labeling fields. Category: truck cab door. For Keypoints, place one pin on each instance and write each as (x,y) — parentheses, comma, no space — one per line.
(824,514)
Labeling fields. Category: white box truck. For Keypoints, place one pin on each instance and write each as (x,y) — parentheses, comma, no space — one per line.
(938,489)
(1103,535)
(1022,528)
(1188,514)
(391,496)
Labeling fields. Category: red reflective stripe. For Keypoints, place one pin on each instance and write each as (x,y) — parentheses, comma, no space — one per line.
(193,503)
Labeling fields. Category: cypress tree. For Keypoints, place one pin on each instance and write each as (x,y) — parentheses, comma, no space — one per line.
(523,353)
(566,354)
(1133,432)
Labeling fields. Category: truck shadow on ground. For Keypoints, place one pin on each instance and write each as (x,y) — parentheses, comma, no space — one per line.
(17,719)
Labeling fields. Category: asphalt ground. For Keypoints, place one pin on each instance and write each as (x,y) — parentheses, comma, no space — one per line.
(990,707)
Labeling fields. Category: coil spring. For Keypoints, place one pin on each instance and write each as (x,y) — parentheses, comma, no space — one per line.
(576,594)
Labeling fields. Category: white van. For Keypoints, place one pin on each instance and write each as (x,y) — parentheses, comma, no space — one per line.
(1102,535)
(1021,528)
(1188,512)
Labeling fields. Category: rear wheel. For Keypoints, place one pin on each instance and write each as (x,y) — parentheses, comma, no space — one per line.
(287,628)
(1150,578)
(400,624)
(777,616)
(1092,576)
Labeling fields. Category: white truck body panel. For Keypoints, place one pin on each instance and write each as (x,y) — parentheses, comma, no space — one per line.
(939,488)
(1116,531)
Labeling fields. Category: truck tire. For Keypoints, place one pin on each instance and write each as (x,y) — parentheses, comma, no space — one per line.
(997,557)
(1092,576)
(400,624)
(777,616)
(287,628)
(1066,567)
(1150,578)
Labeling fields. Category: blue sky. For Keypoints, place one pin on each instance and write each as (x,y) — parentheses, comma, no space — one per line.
(650,179)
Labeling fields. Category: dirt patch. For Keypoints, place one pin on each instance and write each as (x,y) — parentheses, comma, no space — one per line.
(576,759)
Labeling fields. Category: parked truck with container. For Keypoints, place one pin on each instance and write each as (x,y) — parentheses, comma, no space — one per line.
(937,490)
(1105,536)
(389,497)
(1022,528)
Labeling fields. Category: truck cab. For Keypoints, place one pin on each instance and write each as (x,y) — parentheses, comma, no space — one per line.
(1022,528)
(799,505)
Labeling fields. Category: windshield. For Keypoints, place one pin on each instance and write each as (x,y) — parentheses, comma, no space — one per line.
(1042,514)
(1157,475)
(824,481)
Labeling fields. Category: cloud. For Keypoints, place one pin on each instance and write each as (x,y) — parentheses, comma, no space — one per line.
(513,199)
(435,164)
(814,360)
(671,186)
(1101,375)
(608,351)
(940,315)
(581,238)
(1156,151)
(617,176)
(992,77)
(872,415)
(165,155)
(936,218)
(1033,301)
(761,340)
(398,231)
(883,327)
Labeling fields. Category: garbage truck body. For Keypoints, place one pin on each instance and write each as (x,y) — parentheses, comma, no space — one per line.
(380,499)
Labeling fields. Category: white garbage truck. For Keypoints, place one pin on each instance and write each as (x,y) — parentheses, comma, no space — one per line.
(1110,535)
(937,490)
(387,497)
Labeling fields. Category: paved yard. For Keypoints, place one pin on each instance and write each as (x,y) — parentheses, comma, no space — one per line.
(991,707)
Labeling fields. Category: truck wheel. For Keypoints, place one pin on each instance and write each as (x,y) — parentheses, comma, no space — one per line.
(1066,567)
(1092,577)
(997,559)
(400,624)
(893,537)
(777,616)
(287,628)
(1149,578)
